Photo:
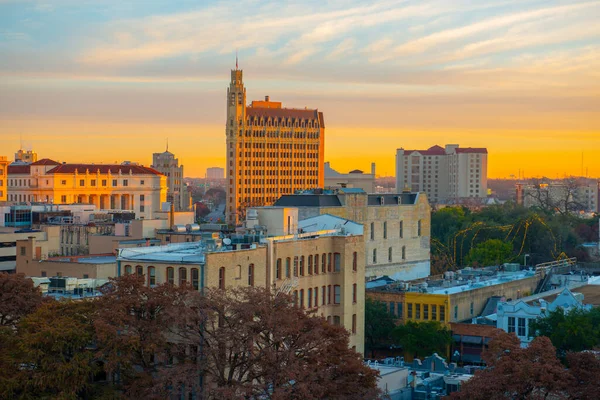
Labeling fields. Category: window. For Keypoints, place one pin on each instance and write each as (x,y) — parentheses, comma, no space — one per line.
(385,229)
(316,263)
(471,308)
(433,312)
(409,308)
(44,274)
(141,182)
(400,309)
(328,262)
(354,293)
(355,261)
(251,275)
(63,198)
(404,252)
(419,228)
(521,331)
(323,295)
(124,182)
(139,270)
(288,261)
(372,230)
(170,275)
(301,298)
(353,323)
(93,182)
(23,251)
(301,265)
(401,229)
(182,276)
(390,254)
(511,324)
(337,262)
(278,269)
(296,298)
(310,268)
(425,311)
(328,294)
(195,279)
(392,307)
(103,182)
(323,263)
(222,278)
(374,256)
(309,298)
(455,312)
(296,266)
(317,296)
(114,182)
(128,270)
(82,182)
(151,276)
(443,313)
(336,320)
(417,311)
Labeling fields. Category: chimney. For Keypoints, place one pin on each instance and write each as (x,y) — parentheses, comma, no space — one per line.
(373,169)
(172,216)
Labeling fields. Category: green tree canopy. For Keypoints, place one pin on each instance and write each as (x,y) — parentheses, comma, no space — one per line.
(422,338)
(490,252)
(379,324)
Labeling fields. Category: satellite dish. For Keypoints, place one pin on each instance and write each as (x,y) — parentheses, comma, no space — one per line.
(227,241)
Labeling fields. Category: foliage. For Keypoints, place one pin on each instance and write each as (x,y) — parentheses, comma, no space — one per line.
(18,297)
(573,331)
(217,195)
(422,338)
(585,369)
(249,334)
(379,324)
(518,373)
(490,252)
(202,210)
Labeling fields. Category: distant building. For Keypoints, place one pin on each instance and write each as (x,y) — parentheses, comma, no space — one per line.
(448,174)
(568,195)
(215,173)
(48,236)
(271,150)
(25,157)
(397,226)
(3,178)
(353,179)
(131,187)
(177,191)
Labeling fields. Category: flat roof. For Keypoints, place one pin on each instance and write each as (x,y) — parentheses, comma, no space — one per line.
(498,280)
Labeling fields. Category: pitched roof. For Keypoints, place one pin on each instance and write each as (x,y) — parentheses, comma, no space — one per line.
(432,151)
(480,150)
(103,169)
(19,169)
(45,161)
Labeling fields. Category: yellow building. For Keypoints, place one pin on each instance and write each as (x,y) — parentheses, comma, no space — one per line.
(3,178)
(322,268)
(109,187)
(271,150)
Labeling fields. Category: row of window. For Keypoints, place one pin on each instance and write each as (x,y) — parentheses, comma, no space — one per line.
(413,311)
(330,294)
(390,254)
(182,278)
(400,229)
(328,262)
(520,326)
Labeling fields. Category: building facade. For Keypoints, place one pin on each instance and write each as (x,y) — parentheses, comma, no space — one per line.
(3,178)
(569,195)
(177,191)
(447,174)
(215,174)
(108,187)
(353,179)
(397,227)
(271,150)
(26,156)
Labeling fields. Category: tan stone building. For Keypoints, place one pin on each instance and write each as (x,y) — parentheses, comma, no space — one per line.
(322,268)
(47,237)
(271,150)
(397,227)
(109,187)
(177,191)
(3,178)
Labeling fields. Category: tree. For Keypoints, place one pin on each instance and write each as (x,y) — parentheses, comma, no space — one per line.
(51,355)
(518,373)
(202,210)
(216,195)
(379,324)
(573,331)
(255,344)
(585,369)
(18,297)
(490,252)
(422,338)
(133,329)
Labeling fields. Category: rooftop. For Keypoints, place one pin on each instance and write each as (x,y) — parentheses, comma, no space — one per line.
(336,198)
(103,169)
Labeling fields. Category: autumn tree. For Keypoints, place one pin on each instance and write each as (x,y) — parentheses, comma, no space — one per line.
(250,343)
(18,297)
(585,369)
(379,324)
(422,338)
(133,330)
(518,373)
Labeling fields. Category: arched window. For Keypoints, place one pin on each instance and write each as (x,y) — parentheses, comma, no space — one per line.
(195,278)
(222,278)
(278,269)
(296,266)
(182,276)
(301,298)
(170,275)
(310,268)
(355,261)
(251,275)
(288,263)
(316,263)
(324,263)
(139,270)
(128,270)
(151,276)
(301,265)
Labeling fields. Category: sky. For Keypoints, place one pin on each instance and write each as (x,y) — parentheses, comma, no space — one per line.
(111,80)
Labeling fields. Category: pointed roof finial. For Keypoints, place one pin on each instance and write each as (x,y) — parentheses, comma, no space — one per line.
(236,59)
(167,144)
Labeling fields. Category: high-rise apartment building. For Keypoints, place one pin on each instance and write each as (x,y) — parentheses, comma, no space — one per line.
(447,174)
(26,157)
(3,178)
(271,150)
(177,192)
(215,173)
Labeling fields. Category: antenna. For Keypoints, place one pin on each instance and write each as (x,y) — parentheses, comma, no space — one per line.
(236,59)
(167,144)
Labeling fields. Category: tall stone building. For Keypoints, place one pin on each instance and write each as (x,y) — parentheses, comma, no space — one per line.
(3,178)
(447,175)
(271,150)
(177,192)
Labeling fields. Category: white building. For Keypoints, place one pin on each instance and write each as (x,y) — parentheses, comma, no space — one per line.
(446,175)
(177,192)
(353,179)
(215,173)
